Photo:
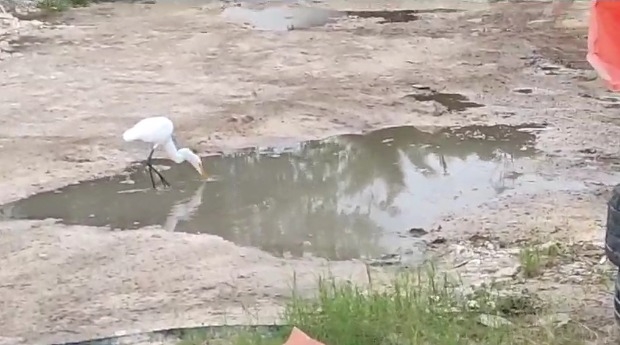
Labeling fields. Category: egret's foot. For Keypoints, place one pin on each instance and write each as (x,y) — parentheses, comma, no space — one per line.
(164,182)
(161,177)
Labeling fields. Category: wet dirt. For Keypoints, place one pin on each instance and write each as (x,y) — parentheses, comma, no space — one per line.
(451,101)
(401,16)
(397,16)
(346,197)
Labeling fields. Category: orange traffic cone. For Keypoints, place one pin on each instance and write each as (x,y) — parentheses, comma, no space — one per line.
(604,41)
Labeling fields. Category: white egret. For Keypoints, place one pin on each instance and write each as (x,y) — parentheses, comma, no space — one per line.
(158,132)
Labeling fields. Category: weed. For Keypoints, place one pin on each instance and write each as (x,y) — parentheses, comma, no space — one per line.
(417,309)
(194,337)
(531,262)
(61,5)
(534,259)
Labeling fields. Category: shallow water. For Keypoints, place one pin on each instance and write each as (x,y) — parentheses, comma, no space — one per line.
(281,18)
(352,196)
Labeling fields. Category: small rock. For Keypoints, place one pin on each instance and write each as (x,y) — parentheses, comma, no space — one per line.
(439,109)
(509,271)
(493,321)
(35,23)
(557,320)
(420,87)
(523,90)
(438,240)
(417,232)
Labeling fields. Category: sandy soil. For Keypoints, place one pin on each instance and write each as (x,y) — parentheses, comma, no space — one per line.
(65,101)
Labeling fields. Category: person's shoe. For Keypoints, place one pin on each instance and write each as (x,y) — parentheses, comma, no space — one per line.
(612,235)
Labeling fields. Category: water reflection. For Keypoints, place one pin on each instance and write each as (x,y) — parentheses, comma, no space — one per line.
(282,18)
(346,197)
(185,209)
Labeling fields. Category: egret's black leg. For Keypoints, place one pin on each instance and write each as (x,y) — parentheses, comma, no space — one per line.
(151,169)
(151,174)
(163,180)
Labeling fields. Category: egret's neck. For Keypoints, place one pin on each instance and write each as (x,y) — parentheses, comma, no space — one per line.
(172,152)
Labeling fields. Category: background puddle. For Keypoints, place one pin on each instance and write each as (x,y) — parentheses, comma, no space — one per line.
(281,18)
(344,197)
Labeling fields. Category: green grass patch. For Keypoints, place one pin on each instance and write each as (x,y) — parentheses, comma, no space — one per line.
(534,259)
(61,5)
(417,309)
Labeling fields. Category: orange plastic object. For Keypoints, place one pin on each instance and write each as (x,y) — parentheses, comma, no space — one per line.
(604,41)
(298,337)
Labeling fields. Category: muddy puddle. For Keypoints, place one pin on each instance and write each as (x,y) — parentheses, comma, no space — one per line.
(351,196)
(281,18)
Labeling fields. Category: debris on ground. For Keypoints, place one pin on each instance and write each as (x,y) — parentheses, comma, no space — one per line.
(298,337)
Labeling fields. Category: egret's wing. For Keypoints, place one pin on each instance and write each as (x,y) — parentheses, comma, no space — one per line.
(155,130)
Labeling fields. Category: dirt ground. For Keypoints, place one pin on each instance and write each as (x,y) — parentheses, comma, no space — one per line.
(66,97)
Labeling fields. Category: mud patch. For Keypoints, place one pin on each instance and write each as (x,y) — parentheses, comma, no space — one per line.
(451,101)
(352,196)
(524,90)
(397,16)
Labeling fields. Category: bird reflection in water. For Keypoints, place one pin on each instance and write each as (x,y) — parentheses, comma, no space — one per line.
(185,209)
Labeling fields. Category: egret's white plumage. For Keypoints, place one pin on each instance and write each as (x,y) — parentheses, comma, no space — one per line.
(158,132)
(155,130)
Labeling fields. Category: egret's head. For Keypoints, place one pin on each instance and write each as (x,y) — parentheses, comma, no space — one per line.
(193,159)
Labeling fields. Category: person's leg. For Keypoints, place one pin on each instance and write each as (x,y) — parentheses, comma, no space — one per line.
(604,41)
(559,7)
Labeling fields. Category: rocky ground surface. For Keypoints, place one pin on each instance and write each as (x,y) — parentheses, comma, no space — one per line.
(11,28)
(71,83)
